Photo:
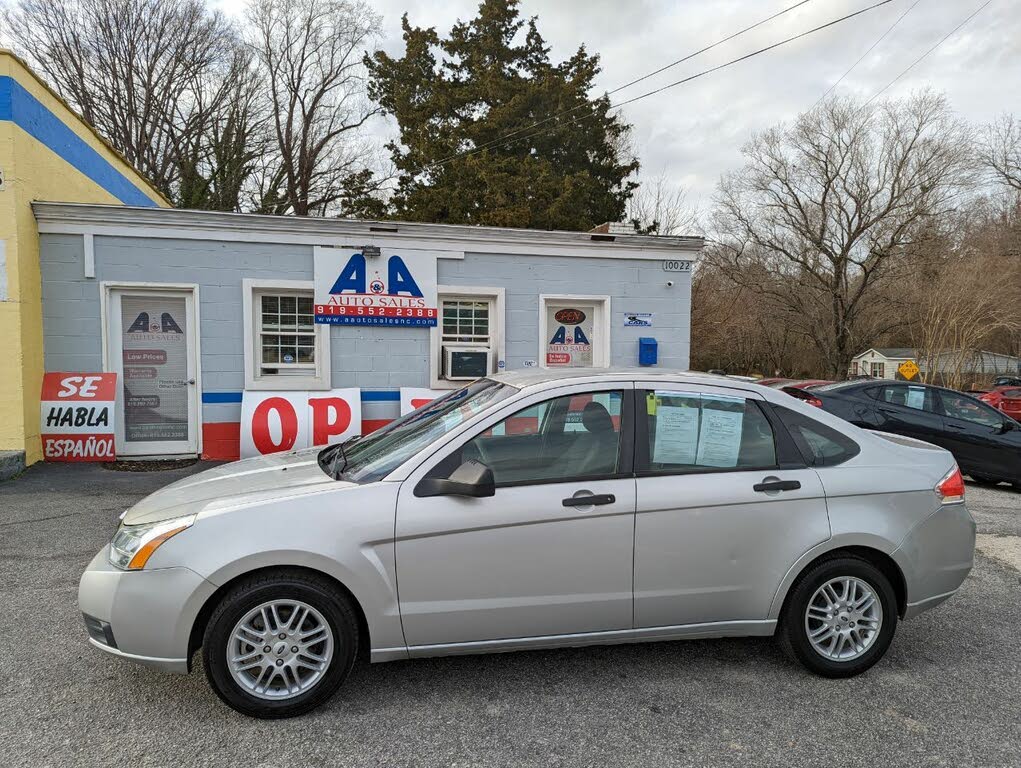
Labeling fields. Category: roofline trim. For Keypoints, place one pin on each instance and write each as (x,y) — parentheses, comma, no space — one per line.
(130,221)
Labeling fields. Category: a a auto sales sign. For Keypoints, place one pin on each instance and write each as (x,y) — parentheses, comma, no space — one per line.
(77,413)
(395,287)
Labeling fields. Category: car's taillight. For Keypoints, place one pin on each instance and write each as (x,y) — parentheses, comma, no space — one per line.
(951,488)
(814,401)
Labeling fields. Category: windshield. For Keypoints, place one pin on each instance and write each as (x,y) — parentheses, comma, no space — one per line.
(373,457)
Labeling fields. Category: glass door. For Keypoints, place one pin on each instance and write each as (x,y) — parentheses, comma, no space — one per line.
(151,347)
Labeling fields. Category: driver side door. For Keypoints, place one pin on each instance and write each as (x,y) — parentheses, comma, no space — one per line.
(550,554)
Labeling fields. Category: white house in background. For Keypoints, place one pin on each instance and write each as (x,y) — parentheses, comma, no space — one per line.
(882,362)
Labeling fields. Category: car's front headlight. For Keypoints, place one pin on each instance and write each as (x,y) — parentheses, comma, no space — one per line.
(133,545)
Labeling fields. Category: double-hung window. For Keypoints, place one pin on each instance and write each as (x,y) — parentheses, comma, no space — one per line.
(285,349)
(467,343)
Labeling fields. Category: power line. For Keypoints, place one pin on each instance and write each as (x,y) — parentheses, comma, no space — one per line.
(917,61)
(619,88)
(871,48)
(674,84)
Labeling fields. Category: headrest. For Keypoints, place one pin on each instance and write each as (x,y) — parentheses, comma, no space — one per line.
(596,418)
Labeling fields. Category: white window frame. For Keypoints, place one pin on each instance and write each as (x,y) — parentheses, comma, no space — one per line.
(253,287)
(600,324)
(497,299)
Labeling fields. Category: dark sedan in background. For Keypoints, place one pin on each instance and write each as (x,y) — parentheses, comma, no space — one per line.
(985,442)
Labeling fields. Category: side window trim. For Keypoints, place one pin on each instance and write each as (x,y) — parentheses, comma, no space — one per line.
(786,452)
(625,448)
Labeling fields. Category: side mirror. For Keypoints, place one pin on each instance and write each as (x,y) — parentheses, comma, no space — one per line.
(1007,426)
(472,478)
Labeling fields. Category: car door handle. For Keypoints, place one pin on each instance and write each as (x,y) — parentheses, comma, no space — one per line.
(777,485)
(594,500)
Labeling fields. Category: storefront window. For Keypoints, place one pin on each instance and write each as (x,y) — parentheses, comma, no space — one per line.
(575,331)
(287,335)
(155,357)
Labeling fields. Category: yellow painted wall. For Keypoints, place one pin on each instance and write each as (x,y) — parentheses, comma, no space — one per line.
(35,172)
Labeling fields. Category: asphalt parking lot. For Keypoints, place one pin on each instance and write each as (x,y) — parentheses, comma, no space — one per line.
(948,692)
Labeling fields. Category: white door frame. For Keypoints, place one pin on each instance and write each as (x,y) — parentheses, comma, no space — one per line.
(600,324)
(190,292)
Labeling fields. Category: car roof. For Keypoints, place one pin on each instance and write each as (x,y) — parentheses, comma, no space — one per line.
(535,377)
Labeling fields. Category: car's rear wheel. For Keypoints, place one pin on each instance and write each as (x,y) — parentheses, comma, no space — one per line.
(280,644)
(839,617)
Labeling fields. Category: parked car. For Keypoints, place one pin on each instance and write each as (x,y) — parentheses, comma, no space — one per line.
(1007,381)
(1006,399)
(537,509)
(985,442)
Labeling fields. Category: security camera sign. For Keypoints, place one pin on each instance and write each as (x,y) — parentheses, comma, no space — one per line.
(375,287)
(77,412)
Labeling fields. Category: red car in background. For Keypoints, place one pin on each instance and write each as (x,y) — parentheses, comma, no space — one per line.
(1006,399)
(803,390)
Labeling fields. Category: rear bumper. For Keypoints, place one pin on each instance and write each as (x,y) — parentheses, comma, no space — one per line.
(144,616)
(936,557)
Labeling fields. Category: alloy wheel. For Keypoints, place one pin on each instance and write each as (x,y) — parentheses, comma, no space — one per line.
(843,618)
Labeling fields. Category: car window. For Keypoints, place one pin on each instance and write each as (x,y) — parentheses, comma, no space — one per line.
(374,456)
(570,437)
(822,446)
(916,397)
(689,431)
(969,409)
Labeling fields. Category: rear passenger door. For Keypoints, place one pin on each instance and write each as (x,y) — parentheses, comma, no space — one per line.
(908,409)
(725,506)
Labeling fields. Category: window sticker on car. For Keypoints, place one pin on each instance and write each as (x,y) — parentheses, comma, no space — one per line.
(677,431)
(719,440)
(916,398)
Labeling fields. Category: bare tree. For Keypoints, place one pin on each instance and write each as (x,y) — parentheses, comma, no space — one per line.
(828,206)
(1000,151)
(311,52)
(660,207)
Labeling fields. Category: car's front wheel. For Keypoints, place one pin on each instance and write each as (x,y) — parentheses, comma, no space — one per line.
(839,618)
(280,644)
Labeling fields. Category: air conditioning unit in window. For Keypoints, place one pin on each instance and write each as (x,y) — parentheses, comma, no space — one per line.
(466,363)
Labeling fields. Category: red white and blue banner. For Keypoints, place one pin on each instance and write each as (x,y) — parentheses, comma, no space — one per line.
(272,422)
(396,287)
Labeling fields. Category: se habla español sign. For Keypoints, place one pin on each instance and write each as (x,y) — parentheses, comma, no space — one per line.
(77,416)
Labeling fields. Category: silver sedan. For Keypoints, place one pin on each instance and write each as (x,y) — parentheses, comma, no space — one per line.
(537,510)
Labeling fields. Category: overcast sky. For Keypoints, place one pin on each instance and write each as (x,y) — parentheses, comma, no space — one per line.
(695,131)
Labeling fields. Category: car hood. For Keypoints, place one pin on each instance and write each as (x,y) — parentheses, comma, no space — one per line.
(240,483)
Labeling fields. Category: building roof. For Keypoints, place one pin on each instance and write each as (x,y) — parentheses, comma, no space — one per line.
(152,188)
(78,218)
(891,353)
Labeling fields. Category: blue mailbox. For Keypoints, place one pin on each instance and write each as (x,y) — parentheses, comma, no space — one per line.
(647,351)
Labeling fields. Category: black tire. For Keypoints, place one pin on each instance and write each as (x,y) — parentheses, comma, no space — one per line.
(793,634)
(271,585)
(983,480)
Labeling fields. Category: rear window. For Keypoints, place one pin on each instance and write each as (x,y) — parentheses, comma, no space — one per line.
(822,446)
(836,385)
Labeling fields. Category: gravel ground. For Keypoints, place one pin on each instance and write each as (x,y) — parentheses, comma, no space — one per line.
(947,693)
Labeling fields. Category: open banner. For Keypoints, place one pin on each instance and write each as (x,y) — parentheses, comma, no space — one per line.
(272,422)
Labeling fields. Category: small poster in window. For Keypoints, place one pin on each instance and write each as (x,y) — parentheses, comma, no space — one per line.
(916,398)
(720,437)
(676,433)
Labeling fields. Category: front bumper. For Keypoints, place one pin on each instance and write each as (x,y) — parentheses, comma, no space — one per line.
(936,557)
(146,616)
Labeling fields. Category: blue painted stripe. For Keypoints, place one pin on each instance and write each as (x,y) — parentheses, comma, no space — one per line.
(381,396)
(28,113)
(221,397)
(368,396)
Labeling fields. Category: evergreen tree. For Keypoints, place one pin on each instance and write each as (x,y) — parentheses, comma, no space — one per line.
(492,77)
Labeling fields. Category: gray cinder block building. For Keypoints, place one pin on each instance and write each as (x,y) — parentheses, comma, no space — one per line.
(197,311)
